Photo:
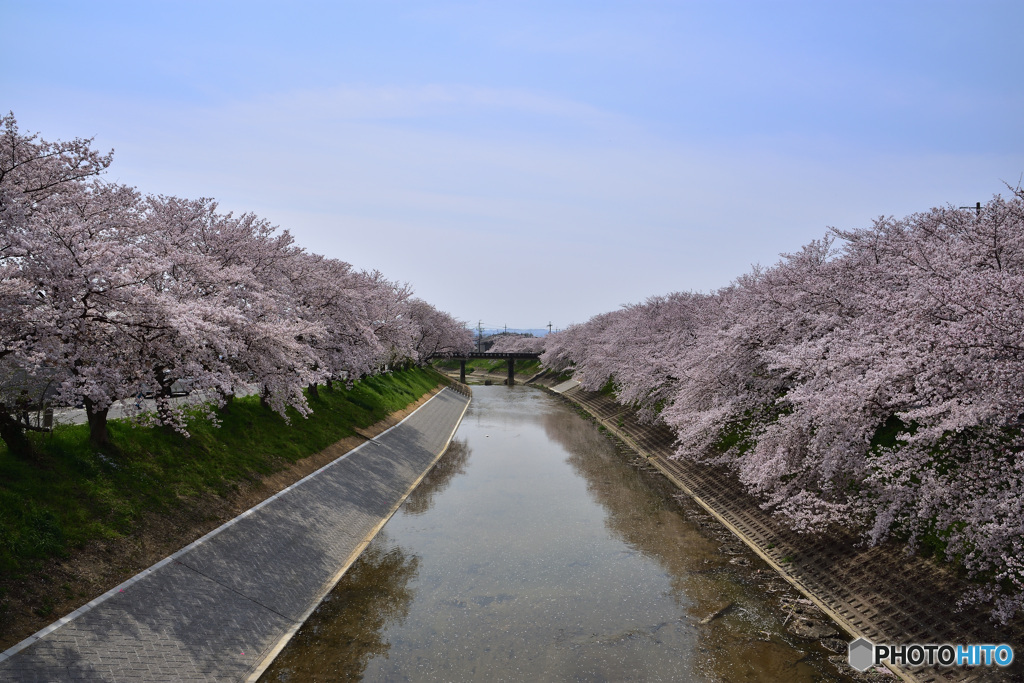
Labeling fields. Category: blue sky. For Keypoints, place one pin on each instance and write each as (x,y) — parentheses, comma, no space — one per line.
(522,162)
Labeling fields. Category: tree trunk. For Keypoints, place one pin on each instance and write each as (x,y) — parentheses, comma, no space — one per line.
(163,403)
(13,434)
(98,435)
(313,391)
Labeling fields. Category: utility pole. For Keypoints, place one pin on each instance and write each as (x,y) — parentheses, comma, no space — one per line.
(480,336)
(549,327)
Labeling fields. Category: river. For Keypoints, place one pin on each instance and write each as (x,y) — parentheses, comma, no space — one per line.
(536,551)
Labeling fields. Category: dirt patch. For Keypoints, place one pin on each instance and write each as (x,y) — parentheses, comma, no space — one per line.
(61,586)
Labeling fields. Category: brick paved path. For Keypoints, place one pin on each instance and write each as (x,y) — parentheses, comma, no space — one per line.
(216,609)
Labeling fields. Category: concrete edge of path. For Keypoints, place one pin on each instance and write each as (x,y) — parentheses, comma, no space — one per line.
(30,640)
(565,386)
(272,653)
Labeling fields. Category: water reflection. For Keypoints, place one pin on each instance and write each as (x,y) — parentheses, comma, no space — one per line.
(451,464)
(535,552)
(636,514)
(642,511)
(347,630)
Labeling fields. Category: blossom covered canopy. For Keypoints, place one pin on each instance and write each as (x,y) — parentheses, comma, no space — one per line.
(874,380)
(111,293)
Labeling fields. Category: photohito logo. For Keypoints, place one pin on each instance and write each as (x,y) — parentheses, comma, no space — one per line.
(863,654)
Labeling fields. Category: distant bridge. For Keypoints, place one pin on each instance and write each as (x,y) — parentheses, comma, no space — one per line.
(511,357)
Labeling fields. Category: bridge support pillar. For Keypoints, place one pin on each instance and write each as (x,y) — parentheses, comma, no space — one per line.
(511,371)
(462,370)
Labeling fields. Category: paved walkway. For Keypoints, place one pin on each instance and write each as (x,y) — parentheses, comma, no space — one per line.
(565,386)
(219,608)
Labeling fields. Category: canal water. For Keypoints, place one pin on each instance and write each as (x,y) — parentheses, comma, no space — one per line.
(535,550)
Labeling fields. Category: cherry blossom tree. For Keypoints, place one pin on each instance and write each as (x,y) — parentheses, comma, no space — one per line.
(32,172)
(113,294)
(83,253)
(387,307)
(330,293)
(580,348)
(872,380)
(518,343)
(198,307)
(438,334)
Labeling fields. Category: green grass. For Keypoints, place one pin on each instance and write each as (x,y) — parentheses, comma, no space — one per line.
(71,494)
(528,366)
(486,365)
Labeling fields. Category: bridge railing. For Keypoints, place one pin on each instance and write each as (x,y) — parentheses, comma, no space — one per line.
(497,356)
(486,355)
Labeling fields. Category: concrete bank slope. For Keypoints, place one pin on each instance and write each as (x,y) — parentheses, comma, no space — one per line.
(221,608)
(877,593)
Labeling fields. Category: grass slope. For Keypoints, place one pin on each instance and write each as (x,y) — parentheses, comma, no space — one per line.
(72,494)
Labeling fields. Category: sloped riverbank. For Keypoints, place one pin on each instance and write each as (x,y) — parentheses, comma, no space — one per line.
(879,593)
(219,607)
(76,522)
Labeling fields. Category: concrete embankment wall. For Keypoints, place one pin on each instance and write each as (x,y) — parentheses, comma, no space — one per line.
(222,607)
(879,593)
